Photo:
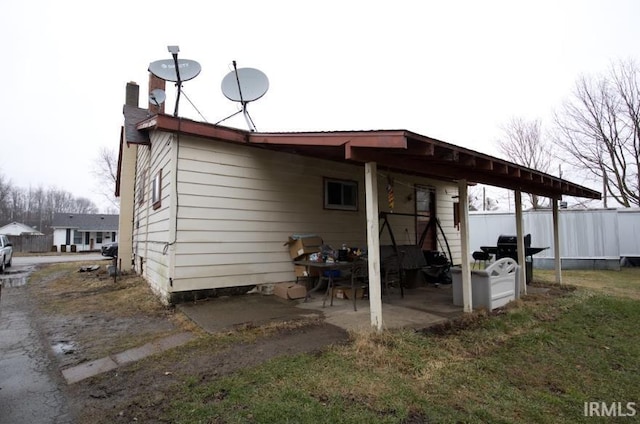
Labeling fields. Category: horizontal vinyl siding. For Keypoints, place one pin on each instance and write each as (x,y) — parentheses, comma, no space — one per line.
(445,198)
(237,205)
(151,226)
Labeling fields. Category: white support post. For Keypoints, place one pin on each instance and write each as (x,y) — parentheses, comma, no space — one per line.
(520,241)
(556,242)
(373,243)
(463,202)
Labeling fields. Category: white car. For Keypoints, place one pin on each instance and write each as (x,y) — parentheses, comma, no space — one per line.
(6,252)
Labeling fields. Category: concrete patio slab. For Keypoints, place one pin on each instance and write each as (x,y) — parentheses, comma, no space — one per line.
(225,313)
(420,308)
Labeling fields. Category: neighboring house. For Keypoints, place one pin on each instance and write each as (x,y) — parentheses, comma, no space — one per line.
(206,207)
(18,229)
(87,232)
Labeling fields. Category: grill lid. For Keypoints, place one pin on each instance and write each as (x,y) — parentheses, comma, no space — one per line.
(504,240)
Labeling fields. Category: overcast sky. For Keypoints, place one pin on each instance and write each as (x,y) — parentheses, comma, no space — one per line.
(452,70)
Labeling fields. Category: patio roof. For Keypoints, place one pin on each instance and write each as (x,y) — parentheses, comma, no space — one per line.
(396,150)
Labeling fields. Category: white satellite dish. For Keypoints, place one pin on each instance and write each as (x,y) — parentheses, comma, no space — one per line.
(245,85)
(166,69)
(176,70)
(157,97)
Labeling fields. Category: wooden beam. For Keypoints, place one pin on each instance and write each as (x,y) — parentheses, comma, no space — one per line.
(467,160)
(500,168)
(445,154)
(484,164)
(467,298)
(556,242)
(520,243)
(373,244)
(199,129)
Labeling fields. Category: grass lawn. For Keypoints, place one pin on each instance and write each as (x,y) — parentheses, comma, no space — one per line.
(539,360)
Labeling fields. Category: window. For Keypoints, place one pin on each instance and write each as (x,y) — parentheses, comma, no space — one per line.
(340,194)
(99,237)
(77,237)
(156,192)
(141,187)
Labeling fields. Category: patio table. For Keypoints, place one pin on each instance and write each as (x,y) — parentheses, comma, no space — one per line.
(353,266)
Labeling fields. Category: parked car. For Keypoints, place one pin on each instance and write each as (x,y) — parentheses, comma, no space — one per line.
(110,249)
(6,252)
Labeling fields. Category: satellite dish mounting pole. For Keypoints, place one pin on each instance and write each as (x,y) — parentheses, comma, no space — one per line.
(174,52)
(247,118)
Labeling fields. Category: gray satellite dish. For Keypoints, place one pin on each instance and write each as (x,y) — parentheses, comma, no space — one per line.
(157,97)
(166,69)
(245,85)
(176,70)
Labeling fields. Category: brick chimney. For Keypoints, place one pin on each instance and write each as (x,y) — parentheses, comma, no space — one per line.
(155,82)
(132,94)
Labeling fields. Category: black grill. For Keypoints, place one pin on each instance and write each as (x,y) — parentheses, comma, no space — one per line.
(507,246)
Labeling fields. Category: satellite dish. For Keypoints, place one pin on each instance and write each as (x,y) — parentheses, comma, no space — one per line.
(245,85)
(166,69)
(157,97)
(176,70)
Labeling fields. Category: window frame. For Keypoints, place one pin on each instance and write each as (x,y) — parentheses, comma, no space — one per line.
(342,206)
(141,187)
(156,190)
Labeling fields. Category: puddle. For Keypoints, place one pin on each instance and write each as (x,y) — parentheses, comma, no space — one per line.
(16,280)
(15,277)
(63,347)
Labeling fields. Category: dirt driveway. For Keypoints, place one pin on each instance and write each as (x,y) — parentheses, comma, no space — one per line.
(85,316)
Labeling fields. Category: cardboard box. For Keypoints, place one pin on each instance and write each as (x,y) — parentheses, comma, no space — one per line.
(339,292)
(360,292)
(290,290)
(303,271)
(303,245)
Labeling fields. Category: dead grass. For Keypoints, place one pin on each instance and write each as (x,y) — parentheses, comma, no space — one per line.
(622,283)
(99,316)
(73,292)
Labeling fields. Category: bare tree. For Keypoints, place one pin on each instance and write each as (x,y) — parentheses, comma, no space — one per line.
(599,130)
(479,201)
(523,144)
(105,171)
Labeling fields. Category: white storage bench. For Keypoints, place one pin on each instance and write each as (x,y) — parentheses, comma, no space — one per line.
(492,287)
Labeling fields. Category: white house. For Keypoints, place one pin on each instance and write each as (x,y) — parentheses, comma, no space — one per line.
(206,206)
(87,232)
(18,229)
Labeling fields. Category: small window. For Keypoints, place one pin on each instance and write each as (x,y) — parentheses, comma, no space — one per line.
(99,237)
(77,237)
(340,194)
(156,193)
(141,186)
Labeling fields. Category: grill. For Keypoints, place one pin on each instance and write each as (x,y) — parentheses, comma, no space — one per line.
(507,247)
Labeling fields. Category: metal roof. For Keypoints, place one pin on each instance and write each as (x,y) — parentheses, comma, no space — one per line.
(397,150)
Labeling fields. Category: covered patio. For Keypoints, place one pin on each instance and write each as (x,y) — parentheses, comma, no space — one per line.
(408,153)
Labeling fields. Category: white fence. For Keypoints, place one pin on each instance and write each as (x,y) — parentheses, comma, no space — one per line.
(596,238)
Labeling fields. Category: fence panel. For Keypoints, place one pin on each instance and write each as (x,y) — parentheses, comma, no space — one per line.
(32,243)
